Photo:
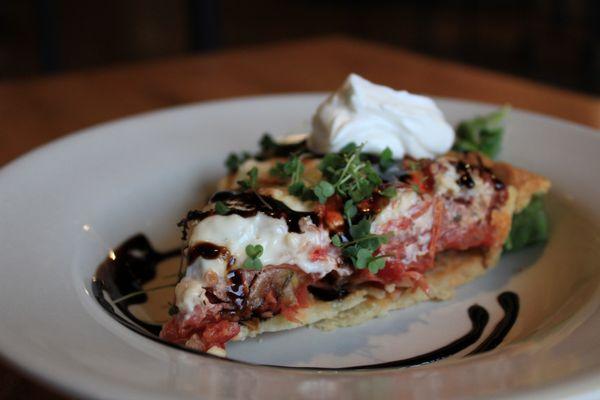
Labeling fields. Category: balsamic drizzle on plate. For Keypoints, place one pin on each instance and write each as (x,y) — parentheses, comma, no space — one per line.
(136,261)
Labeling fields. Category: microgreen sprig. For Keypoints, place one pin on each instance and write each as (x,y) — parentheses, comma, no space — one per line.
(390,192)
(253,261)
(221,208)
(483,133)
(366,259)
(251,182)
(292,171)
(350,210)
(386,159)
(234,160)
(350,174)
(323,190)
(267,143)
(363,244)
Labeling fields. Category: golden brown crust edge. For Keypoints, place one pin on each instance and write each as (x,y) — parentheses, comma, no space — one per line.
(527,184)
(452,270)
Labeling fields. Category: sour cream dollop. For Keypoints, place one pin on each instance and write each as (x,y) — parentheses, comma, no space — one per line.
(378,116)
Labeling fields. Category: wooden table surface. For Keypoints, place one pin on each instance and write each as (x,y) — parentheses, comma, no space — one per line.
(36,111)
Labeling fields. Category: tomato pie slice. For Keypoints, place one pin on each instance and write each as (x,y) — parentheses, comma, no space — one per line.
(336,240)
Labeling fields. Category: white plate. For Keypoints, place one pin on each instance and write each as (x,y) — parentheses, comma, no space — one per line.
(143,173)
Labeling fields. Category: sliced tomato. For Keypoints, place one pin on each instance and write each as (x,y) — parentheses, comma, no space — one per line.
(290,311)
(319,254)
(220,333)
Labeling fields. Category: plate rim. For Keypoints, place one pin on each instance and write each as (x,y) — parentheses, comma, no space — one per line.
(573,386)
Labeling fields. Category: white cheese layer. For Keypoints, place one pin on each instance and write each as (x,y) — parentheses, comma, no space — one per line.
(279,245)
(446,180)
(310,250)
(189,293)
(398,208)
(401,207)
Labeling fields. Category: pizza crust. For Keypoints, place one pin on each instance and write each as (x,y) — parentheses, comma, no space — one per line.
(527,184)
(452,270)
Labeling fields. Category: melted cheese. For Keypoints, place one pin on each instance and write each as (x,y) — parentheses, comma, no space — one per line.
(279,245)
(400,208)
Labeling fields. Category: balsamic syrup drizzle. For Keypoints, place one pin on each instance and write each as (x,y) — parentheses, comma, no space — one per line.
(464,175)
(248,204)
(284,150)
(208,251)
(136,262)
(509,302)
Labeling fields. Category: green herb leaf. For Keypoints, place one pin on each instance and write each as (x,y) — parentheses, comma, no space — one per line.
(386,159)
(363,257)
(350,173)
(252,263)
(253,175)
(267,143)
(252,181)
(362,192)
(349,210)
(323,191)
(372,175)
(234,161)
(349,148)
(350,251)
(308,195)
(530,226)
(372,242)
(361,249)
(360,230)
(297,189)
(291,170)
(390,192)
(254,251)
(483,134)
(221,208)
(336,240)
(414,165)
(376,264)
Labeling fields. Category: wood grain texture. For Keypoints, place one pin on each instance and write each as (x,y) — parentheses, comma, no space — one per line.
(36,111)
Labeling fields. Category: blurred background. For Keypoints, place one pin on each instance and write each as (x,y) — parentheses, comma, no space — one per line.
(556,42)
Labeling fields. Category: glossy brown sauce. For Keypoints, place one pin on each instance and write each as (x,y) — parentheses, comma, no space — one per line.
(208,251)
(479,318)
(372,205)
(464,175)
(136,262)
(509,302)
(248,204)
(284,150)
